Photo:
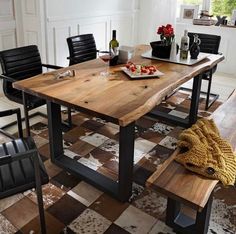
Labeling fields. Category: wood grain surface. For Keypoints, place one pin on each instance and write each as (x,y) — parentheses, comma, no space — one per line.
(189,188)
(119,98)
(225,119)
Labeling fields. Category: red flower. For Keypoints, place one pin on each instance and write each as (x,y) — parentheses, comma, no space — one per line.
(160,30)
(166,32)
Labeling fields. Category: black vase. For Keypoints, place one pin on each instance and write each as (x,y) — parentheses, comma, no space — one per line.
(194,50)
(160,50)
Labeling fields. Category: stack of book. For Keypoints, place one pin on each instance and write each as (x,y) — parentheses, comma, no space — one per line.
(204,21)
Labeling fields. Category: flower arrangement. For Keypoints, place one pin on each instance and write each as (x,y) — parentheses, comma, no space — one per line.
(166,34)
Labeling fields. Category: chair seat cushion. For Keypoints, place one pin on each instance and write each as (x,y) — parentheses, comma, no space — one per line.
(19,176)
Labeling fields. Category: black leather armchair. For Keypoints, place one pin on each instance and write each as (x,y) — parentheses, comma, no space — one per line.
(18,64)
(82,48)
(209,44)
(21,169)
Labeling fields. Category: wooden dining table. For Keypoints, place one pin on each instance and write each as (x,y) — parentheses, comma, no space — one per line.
(115,98)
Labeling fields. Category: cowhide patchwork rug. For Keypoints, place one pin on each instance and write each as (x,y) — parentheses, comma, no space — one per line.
(73,206)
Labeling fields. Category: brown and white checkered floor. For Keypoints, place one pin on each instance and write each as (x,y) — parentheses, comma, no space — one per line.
(73,206)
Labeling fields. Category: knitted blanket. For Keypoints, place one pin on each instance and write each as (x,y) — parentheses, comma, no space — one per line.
(202,150)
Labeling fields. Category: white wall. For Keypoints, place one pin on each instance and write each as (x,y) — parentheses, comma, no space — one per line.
(30,20)
(7,28)
(227,44)
(77,8)
(72,17)
(154,13)
(7,25)
(48,23)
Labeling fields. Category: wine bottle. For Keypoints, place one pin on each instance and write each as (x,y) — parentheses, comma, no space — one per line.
(114,49)
(184,45)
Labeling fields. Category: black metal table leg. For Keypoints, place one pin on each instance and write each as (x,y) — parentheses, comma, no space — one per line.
(155,113)
(126,158)
(55,130)
(121,189)
(69,117)
(203,217)
(172,211)
(197,82)
(184,224)
(19,123)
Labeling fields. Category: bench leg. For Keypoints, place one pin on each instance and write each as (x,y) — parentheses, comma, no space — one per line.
(203,218)
(182,223)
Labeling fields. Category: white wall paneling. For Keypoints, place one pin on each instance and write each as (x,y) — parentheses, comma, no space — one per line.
(60,48)
(124,27)
(89,8)
(6,10)
(7,26)
(154,13)
(227,44)
(30,7)
(8,39)
(30,22)
(58,29)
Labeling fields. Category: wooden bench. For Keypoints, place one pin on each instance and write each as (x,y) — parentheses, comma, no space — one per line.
(183,187)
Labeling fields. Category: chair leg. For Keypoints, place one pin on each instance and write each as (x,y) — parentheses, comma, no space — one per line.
(69,117)
(19,123)
(26,111)
(208,91)
(39,194)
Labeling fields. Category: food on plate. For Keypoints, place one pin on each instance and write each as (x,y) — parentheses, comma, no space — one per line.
(138,69)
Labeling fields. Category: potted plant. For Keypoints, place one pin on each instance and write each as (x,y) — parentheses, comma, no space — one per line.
(161,49)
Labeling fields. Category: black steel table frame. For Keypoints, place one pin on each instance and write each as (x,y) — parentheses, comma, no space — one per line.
(182,223)
(121,189)
(192,118)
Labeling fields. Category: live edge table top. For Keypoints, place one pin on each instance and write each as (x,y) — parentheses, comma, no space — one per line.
(117,98)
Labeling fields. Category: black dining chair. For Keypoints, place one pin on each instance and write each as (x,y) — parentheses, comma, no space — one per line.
(18,64)
(21,168)
(82,48)
(209,44)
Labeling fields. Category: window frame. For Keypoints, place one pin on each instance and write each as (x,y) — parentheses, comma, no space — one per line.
(206,5)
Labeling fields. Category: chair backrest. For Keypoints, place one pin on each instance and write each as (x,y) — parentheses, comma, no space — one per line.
(19,63)
(209,43)
(81,48)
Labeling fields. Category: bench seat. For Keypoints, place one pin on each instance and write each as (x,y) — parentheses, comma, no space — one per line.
(186,187)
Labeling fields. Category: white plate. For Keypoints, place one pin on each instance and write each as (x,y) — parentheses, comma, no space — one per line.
(139,76)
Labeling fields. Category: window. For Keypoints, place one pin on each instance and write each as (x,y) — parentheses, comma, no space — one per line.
(222,7)
(215,7)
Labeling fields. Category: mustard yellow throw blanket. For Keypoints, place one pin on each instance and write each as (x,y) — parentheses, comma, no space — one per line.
(202,150)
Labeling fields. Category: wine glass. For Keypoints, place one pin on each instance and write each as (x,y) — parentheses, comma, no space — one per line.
(106,56)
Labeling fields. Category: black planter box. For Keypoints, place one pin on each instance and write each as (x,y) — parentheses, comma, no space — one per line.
(160,50)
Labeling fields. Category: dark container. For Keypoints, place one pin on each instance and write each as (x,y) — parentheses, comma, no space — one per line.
(160,50)
(195,48)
